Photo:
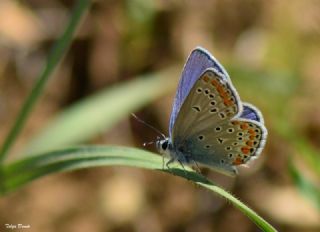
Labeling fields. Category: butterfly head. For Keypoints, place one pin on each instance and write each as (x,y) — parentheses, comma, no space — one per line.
(163,145)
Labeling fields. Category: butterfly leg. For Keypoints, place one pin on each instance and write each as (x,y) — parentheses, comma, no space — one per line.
(167,165)
(163,162)
(197,168)
(169,162)
(172,160)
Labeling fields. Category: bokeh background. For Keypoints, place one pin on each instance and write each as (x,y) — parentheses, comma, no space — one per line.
(271,50)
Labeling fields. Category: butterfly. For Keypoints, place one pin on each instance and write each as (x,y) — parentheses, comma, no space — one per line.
(209,125)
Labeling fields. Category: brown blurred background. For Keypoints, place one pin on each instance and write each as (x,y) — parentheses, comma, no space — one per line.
(278,41)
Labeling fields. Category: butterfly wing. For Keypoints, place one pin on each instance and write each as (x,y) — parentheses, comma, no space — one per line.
(209,130)
(199,60)
(251,112)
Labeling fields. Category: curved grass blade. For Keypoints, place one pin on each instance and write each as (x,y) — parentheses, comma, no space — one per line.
(23,171)
(55,56)
(305,186)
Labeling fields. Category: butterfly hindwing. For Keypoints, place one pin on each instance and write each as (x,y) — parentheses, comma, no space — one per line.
(251,112)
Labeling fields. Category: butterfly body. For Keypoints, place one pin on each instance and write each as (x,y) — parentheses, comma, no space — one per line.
(209,125)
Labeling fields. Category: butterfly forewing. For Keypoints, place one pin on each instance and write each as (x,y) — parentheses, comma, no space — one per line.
(212,100)
(199,60)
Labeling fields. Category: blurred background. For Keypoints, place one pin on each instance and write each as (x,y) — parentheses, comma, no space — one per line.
(271,50)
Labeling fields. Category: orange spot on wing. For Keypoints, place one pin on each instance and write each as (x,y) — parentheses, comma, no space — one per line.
(251,131)
(251,137)
(206,78)
(249,143)
(214,82)
(238,161)
(220,89)
(225,95)
(235,122)
(245,150)
(244,126)
(227,102)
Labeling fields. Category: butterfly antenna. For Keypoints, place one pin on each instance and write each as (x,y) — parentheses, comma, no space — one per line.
(148,125)
(148,143)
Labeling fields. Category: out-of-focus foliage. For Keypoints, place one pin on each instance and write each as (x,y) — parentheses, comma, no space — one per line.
(271,51)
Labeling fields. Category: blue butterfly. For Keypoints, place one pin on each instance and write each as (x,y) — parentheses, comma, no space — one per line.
(209,125)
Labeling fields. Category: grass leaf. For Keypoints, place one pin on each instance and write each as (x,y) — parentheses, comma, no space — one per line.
(23,171)
(54,58)
(306,187)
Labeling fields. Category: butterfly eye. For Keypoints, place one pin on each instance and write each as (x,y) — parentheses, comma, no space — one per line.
(164,145)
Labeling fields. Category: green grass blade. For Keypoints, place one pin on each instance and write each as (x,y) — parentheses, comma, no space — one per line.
(306,187)
(54,58)
(23,171)
(101,111)
(309,153)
